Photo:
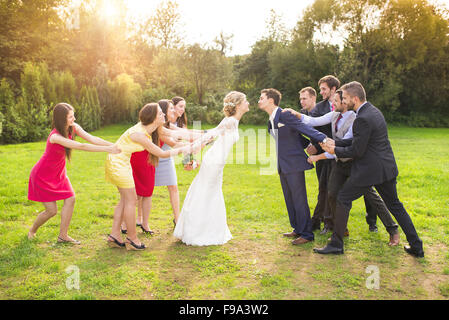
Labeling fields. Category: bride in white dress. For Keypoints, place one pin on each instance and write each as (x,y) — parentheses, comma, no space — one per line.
(202,221)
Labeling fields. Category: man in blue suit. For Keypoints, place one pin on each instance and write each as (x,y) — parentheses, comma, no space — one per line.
(288,132)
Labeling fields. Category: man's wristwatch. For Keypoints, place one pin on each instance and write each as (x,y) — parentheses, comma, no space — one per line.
(324,140)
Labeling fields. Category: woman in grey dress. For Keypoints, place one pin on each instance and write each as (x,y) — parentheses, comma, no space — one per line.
(166,172)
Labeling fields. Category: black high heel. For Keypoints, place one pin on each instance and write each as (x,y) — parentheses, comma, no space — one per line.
(115,243)
(150,232)
(132,246)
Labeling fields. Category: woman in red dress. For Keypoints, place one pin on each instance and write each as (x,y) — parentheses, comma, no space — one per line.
(48,181)
(143,175)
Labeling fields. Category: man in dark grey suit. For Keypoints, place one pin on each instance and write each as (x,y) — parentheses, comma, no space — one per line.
(328,85)
(373,165)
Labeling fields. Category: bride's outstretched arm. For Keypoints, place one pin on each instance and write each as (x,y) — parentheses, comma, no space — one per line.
(225,124)
(182,134)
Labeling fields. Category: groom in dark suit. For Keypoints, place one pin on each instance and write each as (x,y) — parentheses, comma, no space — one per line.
(373,165)
(288,132)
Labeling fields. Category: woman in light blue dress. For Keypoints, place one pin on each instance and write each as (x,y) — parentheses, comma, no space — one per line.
(166,172)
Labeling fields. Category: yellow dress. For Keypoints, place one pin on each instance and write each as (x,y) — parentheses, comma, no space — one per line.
(118,167)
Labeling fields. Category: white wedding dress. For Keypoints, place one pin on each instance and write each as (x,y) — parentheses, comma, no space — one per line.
(202,221)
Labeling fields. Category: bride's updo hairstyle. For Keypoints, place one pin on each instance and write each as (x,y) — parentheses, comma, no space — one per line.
(231,101)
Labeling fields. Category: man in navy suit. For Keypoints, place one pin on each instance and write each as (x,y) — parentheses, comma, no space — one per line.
(373,165)
(288,132)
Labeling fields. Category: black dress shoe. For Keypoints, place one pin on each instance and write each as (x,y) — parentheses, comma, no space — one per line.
(373,228)
(419,253)
(329,250)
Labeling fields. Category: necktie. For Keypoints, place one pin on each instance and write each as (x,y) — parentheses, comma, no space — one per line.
(332,107)
(336,123)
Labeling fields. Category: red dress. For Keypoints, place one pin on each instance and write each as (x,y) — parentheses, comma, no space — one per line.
(143,173)
(48,179)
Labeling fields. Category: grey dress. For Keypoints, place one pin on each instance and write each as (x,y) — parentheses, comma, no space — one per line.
(165,174)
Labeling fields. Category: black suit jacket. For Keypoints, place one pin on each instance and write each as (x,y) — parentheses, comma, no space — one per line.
(374,161)
(320,109)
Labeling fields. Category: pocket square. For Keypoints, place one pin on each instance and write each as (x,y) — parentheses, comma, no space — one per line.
(280,125)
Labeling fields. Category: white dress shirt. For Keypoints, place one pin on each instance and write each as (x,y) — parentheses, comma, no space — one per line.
(273,114)
(326,119)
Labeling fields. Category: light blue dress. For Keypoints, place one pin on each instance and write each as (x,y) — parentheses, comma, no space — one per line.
(165,174)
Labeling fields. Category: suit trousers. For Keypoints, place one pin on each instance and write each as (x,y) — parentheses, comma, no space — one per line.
(374,205)
(295,195)
(387,190)
(322,210)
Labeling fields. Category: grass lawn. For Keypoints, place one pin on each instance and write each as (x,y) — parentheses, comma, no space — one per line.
(258,263)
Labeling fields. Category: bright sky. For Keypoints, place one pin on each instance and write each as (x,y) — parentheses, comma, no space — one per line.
(246,19)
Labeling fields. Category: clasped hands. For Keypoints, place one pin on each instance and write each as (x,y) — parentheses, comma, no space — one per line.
(329,146)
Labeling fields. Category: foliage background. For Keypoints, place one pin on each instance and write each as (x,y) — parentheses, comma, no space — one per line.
(107,69)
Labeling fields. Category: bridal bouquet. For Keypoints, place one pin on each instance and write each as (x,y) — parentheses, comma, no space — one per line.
(190,162)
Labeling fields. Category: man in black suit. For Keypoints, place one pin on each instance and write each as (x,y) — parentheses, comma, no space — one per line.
(328,86)
(373,165)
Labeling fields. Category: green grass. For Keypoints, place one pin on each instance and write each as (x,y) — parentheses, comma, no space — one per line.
(258,263)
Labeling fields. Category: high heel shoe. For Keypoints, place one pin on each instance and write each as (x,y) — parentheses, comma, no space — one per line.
(150,232)
(115,243)
(132,246)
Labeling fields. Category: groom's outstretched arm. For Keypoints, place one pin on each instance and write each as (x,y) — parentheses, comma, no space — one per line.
(294,123)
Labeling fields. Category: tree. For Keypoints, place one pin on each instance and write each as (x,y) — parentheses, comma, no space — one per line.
(206,70)
(13,128)
(125,98)
(164,25)
(222,42)
(31,104)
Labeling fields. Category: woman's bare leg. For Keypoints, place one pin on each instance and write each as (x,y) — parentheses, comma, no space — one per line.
(139,210)
(51,209)
(66,217)
(129,213)
(174,200)
(146,209)
(118,217)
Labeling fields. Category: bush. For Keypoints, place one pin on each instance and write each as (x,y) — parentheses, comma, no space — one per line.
(31,106)
(214,117)
(254,116)
(154,94)
(124,100)
(196,113)
(13,129)
(65,87)
(2,118)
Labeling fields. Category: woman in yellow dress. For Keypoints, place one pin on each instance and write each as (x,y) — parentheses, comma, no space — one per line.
(144,135)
